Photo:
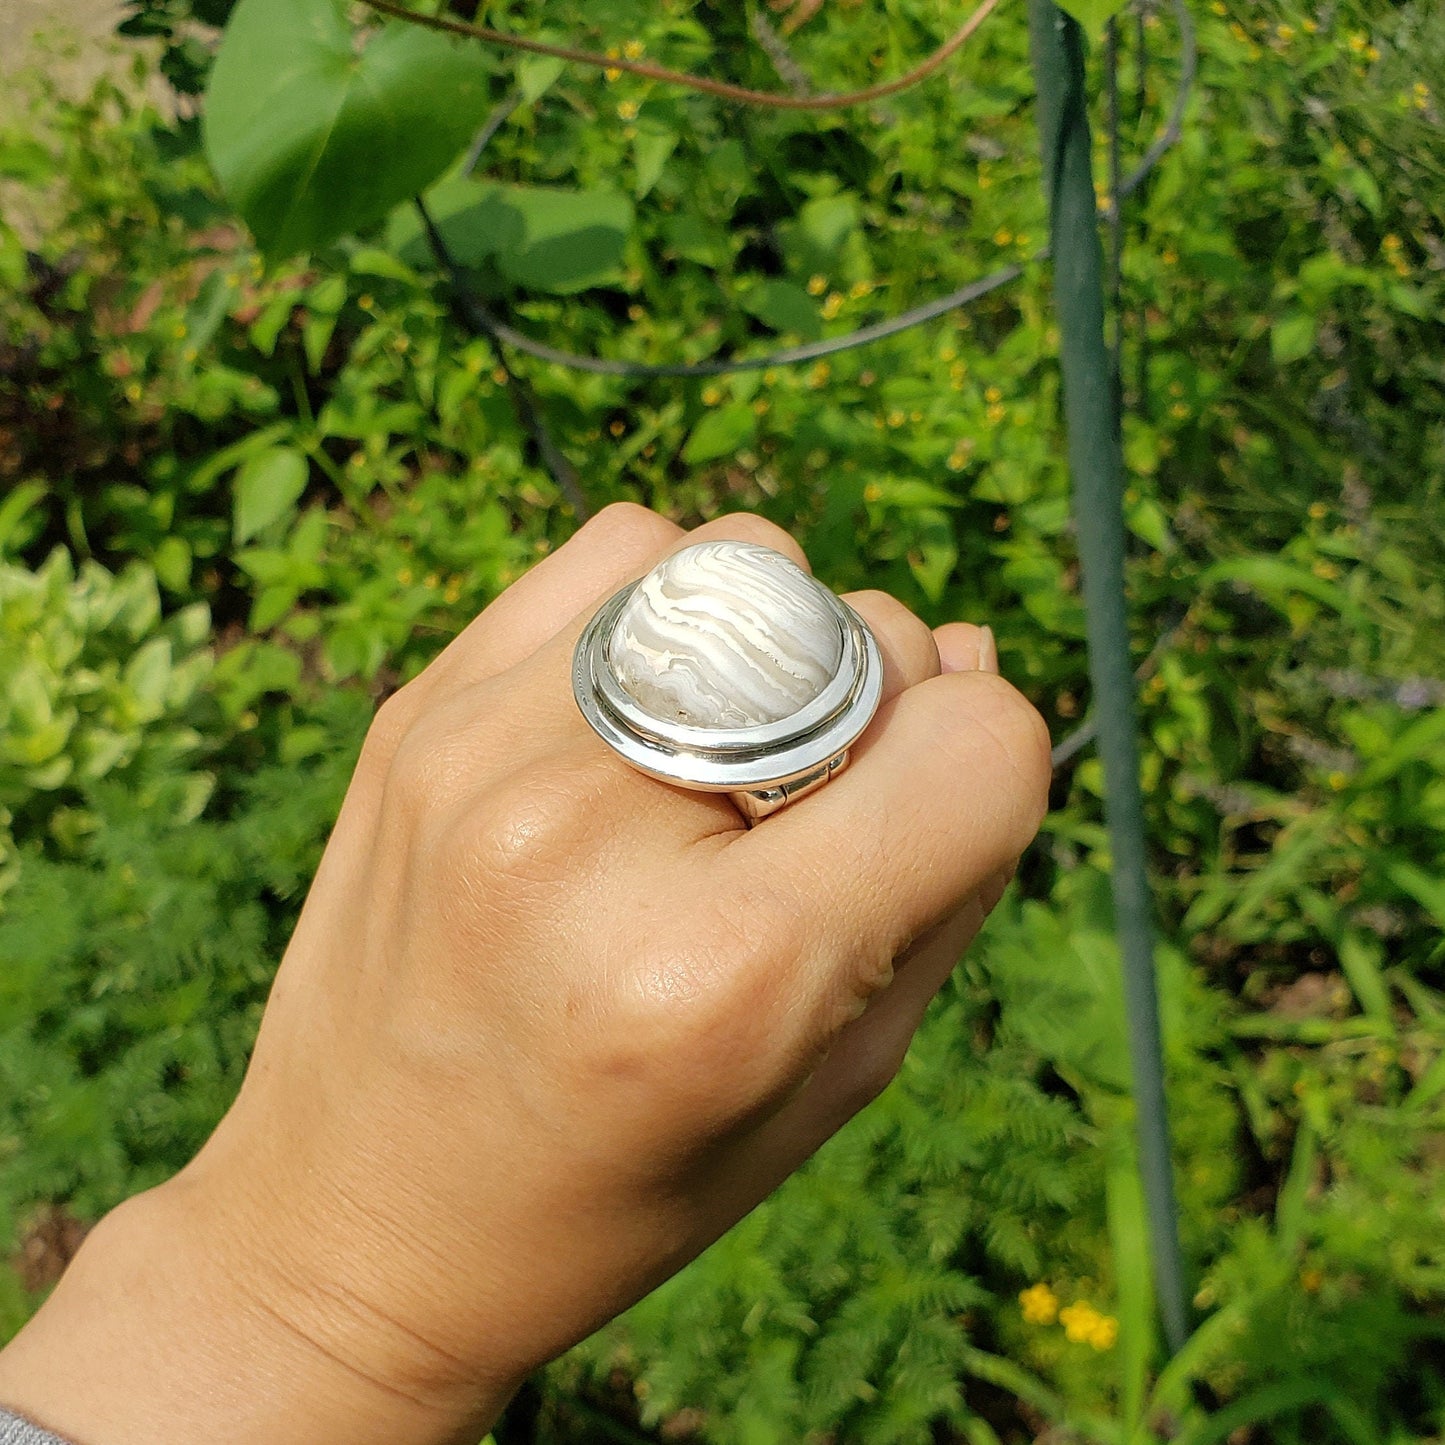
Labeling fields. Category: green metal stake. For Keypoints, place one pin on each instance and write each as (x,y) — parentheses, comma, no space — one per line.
(1096,463)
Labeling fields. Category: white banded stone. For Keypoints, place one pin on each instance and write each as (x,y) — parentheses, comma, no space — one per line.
(726,635)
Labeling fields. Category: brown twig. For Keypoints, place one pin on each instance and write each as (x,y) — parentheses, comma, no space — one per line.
(720,88)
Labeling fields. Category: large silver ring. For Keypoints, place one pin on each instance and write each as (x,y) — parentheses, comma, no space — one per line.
(727,669)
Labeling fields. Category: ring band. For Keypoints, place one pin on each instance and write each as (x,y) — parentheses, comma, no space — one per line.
(762,765)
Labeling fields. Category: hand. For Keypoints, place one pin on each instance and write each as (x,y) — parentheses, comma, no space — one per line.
(546,1028)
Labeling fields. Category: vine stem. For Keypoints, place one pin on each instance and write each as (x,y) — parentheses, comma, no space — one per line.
(725,90)
(1096,465)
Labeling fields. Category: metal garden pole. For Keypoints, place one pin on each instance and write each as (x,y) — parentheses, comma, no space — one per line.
(1096,465)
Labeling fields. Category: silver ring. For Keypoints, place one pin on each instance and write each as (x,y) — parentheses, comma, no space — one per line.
(812,690)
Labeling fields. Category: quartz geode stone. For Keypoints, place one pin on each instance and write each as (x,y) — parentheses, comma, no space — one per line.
(726,635)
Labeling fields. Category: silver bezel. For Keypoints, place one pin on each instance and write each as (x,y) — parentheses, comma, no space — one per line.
(719,760)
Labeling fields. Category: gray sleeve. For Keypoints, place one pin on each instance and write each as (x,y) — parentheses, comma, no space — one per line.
(16,1431)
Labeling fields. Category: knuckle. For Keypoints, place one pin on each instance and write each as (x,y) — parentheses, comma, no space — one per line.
(528,831)
(430,769)
(389,727)
(629,522)
(750,527)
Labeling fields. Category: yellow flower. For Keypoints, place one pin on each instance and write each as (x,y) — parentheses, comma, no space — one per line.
(1358,42)
(1105,1333)
(817,285)
(1040,1304)
(992,395)
(628,109)
(634,50)
(1002,236)
(818,374)
(832,306)
(1285,32)
(1309,26)
(860,289)
(1079,1320)
(711,395)
(896,418)
(996,413)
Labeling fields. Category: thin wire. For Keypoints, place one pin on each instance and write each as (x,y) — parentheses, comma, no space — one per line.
(721,88)
(789,356)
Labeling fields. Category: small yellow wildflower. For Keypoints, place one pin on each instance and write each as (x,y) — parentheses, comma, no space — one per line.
(896,418)
(1040,1304)
(628,109)
(1170,256)
(617,427)
(499,375)
(818,374)
(833,305)
(635,312)
(1285,32)
(1358,41)
(872,492)
(405,576)
(1337,781)
(1084,1325)
(365,302)
(817,285)
(612,73)
(996,413)
(711,395)
(993,394)
(634,50)
(1309,26)
(1372,53)
(1218,7)
(859,289)
(1179,411)
(1003,236)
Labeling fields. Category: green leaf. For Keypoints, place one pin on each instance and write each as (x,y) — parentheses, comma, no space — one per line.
(313,135)
(720,433)
(786,307)
(568,239)
(540,237)
(267,487)
(535,74)
(651,147)
(1093,15)
(1292,337)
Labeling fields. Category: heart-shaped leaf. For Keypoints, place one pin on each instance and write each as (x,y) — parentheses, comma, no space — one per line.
(316,129)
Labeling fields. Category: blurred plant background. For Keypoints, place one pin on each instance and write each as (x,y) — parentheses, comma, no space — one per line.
(242,498)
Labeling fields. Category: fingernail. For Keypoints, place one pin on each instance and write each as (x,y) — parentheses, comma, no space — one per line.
(987,650)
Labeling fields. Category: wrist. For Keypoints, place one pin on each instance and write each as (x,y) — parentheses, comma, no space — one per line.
(174,1324)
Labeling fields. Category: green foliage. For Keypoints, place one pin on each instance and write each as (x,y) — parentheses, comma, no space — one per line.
(313,136)
(316,458)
